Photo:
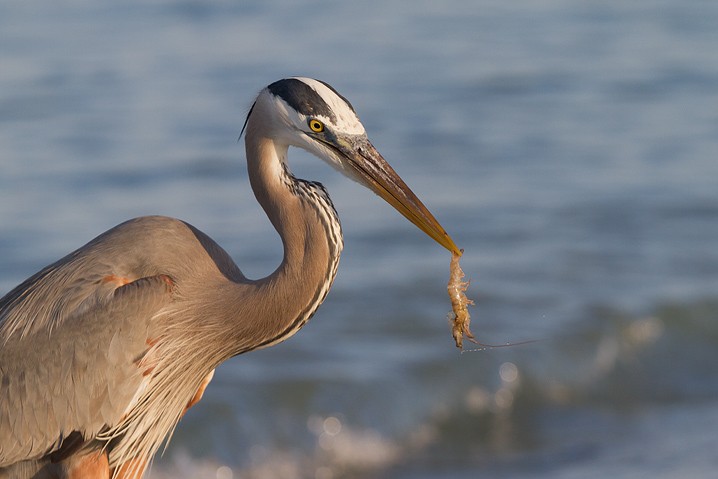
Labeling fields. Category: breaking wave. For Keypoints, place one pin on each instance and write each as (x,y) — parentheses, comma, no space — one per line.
(535,415)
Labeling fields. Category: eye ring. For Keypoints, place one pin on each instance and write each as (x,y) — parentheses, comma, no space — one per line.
(315,125)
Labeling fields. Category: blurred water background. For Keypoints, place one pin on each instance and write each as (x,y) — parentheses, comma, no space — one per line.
(569,147)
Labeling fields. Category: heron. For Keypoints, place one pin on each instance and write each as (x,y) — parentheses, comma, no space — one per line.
(104,351)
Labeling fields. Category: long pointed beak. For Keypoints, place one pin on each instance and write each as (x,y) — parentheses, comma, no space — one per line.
(372,170)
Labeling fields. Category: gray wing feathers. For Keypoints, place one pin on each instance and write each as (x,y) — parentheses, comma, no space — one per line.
(80,377)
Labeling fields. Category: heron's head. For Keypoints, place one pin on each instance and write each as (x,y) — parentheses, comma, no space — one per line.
(312,115)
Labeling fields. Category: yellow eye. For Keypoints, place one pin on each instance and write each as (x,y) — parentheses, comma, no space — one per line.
(316,125)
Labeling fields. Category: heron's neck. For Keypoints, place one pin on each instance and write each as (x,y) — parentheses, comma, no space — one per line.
(307,223)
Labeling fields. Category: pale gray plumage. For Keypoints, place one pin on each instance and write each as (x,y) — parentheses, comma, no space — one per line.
(110,344)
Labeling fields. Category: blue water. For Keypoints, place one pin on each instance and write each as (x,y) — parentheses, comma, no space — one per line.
(569,147)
